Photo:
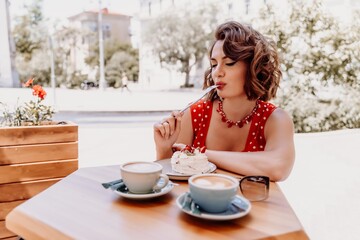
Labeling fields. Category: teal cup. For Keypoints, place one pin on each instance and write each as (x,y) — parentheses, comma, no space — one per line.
(213,192)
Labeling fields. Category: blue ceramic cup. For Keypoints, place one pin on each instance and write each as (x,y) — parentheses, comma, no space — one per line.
(213,192)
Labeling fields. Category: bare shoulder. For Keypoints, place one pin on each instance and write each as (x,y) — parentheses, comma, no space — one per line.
(280,115)
(279,119)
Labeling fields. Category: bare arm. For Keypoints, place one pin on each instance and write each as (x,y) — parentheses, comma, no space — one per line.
(277,159)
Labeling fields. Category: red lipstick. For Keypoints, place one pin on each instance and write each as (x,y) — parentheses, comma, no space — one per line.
(220,85)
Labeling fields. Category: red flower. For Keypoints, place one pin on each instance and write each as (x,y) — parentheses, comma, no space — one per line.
(39,91)
(28,82)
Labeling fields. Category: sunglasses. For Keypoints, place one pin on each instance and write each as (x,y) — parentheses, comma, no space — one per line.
(255,188)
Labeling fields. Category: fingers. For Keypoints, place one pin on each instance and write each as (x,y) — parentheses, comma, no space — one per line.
(158,128)
(177,114)
(178,125)
(163,128)
(168,126)
(172,122)
(178,146)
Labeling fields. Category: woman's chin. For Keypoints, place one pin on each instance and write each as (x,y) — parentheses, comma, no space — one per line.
(220,94)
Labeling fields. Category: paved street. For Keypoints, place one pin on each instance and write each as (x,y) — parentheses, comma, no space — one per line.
(323,188)
(108,138)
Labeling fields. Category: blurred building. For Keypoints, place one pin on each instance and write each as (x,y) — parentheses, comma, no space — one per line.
(115,26)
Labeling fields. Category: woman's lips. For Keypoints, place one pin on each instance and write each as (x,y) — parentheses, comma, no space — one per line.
(220,85)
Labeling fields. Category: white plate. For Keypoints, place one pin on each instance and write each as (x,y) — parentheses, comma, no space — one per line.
(167,169)
(126,194)
(232,213)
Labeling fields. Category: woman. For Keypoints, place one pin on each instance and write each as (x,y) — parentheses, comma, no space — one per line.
(241,131)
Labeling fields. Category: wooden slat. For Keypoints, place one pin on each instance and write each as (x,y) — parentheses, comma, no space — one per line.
(38,134)
(35,171)
(38,153)
(24,190)
(4,232)
(6,207)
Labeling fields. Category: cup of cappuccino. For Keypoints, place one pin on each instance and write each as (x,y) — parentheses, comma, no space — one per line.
(213,192)
(143,177)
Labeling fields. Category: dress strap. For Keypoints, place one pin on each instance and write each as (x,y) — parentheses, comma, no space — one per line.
(256,136)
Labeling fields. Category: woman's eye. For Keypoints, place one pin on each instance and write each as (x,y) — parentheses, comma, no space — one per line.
(213,65)
(230,64)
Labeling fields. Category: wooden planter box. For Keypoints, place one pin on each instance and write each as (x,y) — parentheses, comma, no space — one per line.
(32,158)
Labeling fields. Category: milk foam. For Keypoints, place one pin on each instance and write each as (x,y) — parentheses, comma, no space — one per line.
(213,182)
(141,167)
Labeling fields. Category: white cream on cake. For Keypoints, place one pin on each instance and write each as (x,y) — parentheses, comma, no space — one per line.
(187,162)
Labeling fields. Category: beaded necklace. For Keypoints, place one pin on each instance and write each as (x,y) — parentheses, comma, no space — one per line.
(239,123)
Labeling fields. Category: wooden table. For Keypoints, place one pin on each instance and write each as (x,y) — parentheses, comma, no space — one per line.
(78,207)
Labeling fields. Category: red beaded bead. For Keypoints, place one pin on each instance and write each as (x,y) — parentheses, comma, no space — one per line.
(239,123)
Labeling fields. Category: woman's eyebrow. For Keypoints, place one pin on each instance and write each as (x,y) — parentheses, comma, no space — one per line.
(224,57)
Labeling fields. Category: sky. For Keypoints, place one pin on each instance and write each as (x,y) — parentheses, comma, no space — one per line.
(61,9)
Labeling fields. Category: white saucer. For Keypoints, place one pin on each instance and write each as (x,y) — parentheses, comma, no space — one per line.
(167,169)
(124,192)
(232,213)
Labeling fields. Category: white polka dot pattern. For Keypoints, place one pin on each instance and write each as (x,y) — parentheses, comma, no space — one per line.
(201,117)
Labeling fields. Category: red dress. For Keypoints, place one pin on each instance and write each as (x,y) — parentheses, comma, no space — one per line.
(201,115)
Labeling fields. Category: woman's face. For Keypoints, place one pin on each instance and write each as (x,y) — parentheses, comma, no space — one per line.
(228,74)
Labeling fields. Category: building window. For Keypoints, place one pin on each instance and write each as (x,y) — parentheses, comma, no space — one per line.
(106,30)
(93,26)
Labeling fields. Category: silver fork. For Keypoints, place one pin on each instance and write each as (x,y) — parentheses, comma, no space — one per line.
(209,89)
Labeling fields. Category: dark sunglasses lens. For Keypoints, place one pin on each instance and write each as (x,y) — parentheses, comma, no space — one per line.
(254,188)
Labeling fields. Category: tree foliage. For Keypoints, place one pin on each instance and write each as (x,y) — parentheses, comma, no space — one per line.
(28,32)
(65,39)
(118,57)
(33,51)
(180,38)
(121,62)
(321,65)
(31,41)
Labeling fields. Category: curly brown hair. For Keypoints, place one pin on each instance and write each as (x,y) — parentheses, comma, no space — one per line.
(243,43)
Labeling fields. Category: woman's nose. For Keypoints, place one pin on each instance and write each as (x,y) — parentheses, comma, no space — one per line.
(218,72)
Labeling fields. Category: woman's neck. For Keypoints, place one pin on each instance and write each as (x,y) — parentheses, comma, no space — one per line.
(238,108)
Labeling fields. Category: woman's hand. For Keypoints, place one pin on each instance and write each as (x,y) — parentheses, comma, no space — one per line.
(166,133)
(178,147)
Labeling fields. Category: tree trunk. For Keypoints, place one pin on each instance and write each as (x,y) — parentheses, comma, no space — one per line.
(187,79)
(187,76)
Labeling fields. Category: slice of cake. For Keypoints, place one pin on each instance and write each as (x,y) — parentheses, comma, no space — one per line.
(190,161)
